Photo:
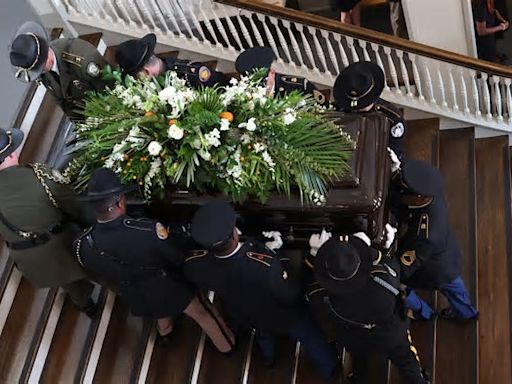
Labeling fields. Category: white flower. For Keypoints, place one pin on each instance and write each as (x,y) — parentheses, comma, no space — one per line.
(154,148)
(245,138)
(259,147)
(268,159)
(118,147)
(289,116)
(301,103)
(213,137)
(250,125)
(233,81)
(205,155)
(235,171)
(224,124)
(175,132)
(196,144)
(167,94)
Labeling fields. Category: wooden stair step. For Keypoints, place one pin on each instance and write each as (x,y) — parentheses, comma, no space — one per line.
(422,143)
(93,38)
(174,363)
(493,262)
(456,347)
(122,350)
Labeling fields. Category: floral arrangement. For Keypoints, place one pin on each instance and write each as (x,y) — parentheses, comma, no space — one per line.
(236,140)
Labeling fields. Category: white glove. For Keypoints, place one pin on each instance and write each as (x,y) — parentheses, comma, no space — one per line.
(316,240)
(395,162)
(389,233)
(276,242)
(363,236)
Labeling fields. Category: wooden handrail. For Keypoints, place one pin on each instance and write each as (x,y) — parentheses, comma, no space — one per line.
(372,36)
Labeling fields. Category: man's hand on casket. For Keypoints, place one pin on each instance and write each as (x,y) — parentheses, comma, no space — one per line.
(316,240)
(276,242)
(389,234)
(395,162)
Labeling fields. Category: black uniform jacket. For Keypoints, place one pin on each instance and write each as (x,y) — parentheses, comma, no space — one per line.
(287,83)
(140,259)
(429,252)
(196,74)
(371,304)
(252,284)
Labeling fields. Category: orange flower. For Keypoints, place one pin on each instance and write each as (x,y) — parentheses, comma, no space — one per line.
(149,114)
(227,115)
(172,122)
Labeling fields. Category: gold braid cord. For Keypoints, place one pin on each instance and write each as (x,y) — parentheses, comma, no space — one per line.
(41,174)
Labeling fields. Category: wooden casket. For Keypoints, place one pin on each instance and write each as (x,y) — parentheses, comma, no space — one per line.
(355,202)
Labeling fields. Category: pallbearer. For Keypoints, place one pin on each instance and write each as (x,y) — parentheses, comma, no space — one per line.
(137,57)
(140,260)
(254,285)
(67,67)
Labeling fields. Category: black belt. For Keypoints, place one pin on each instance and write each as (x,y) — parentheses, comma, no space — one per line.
(36,239)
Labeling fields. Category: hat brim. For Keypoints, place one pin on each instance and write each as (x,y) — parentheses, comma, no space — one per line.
(341,93)
(254,58)
(326,280)
(17,136)
(95,197)
(39,30)
(150,42)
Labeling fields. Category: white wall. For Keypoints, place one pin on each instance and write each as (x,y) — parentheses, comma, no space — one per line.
(446,24)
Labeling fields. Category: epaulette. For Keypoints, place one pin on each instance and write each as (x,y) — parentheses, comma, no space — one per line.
(260,257)
(423,226)
(142,224)
(196,254)
(78,244)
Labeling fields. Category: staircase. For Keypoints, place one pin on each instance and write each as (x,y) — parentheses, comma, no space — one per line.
(45,339)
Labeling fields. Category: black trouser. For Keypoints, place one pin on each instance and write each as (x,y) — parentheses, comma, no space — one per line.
(79,292)
(392,340)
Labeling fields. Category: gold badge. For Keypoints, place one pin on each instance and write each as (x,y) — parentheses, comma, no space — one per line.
(204,74)
(161,231)
(93,70)
(408,258)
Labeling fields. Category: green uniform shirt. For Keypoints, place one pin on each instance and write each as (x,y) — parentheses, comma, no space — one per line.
(25,203)
(80,66)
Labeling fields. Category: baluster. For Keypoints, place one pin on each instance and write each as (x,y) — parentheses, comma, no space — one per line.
(135,11)
(295,44)
(156,10)
(255,30)
(509,99)
(430,87)
(232,29)
(305,43)
(195,22)
(89,9)
(416,76)
(143,4)
(332,54)
(375,49)
(97,9)
(268,34)
(209,28)
(464,91)
(392,69)
(453,90)
(364,46)
(245,31)
(440,80)
(497,97)
(282,40)
(344,57)
(183,20)
(487,95)
(351,46)
(405,72)
(318,47)
(121,6)
(71,7)
(476,97)
(116,16)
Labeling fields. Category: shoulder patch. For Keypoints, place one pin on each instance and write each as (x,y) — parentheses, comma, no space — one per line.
(92,69)
(260,257)
(319,96)
(204,74)
(139,224)
(196,254)
(397,130)
(161,231)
